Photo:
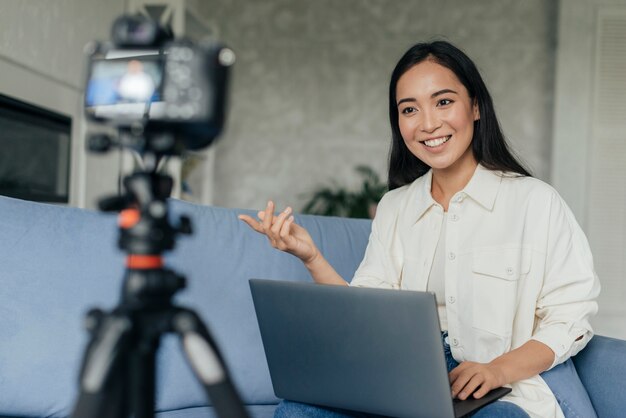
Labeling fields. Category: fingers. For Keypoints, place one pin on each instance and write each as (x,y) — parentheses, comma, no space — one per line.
(457,371)
(482,391)
(252,223)
(279,221)
(260,226)
(471,386)
(472,378)
(276,228)
(285,229)
(268,216)
(275,232)
(459,378)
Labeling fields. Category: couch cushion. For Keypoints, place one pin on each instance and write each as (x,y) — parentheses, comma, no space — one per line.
(55,262)
(58,262)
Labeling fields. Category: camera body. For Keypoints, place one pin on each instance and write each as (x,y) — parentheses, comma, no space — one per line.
(171,91)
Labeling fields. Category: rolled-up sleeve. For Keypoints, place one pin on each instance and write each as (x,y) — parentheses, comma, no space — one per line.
(567,299)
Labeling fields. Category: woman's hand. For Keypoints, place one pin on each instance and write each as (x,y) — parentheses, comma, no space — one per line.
(283,233)
(532,358)
(477,378)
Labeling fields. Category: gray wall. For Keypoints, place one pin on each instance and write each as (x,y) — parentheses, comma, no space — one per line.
(309,93)
(42,63)
(48,36)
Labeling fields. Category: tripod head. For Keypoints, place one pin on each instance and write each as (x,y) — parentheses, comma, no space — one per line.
(144,221)
(145,234)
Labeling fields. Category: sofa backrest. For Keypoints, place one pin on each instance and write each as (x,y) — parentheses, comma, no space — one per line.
(57,262)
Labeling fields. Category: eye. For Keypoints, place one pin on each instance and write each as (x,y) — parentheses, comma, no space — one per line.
(408,110)
(444,102)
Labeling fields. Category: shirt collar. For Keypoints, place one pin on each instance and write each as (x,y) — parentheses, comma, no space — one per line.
(483,188)
(423,199)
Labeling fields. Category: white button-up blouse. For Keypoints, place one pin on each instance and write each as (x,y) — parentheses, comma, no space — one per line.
(518,267)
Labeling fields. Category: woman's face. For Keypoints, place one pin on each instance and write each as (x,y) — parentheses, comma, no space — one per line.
(436,116)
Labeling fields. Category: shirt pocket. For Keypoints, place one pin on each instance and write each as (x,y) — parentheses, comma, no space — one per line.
(496,275)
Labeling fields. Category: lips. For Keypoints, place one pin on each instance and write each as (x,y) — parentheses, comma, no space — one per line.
(435,142)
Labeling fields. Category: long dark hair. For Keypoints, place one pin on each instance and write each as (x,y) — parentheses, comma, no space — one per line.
(488,143)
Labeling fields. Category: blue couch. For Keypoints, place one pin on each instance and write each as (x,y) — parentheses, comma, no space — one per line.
(58,262)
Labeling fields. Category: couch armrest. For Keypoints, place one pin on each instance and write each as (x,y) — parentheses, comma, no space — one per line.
(602,369)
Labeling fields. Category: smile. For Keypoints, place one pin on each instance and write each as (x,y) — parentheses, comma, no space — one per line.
(435,142)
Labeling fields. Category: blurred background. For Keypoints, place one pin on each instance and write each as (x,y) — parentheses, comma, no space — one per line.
(308,101)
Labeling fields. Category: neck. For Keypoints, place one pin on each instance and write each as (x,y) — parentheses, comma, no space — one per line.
(451,180)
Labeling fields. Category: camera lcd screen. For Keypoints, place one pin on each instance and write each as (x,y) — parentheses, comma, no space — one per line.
(125,89)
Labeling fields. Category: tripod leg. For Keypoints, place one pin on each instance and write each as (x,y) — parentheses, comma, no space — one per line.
(208,365)
(141,378)
(101,382)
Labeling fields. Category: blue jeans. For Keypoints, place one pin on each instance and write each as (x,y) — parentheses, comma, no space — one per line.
(569,391)
(498,409)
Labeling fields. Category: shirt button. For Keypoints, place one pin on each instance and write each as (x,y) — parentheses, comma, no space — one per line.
(509,271)
(451,299)
(451,256)
(454,217)
(455,342)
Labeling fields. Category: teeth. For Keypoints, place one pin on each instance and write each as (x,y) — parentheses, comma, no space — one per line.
(436,142)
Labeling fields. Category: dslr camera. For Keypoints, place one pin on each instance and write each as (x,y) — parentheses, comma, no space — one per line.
(164,96)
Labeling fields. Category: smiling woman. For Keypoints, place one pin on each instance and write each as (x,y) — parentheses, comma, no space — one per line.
(441,84)
(511,269)
(436,119)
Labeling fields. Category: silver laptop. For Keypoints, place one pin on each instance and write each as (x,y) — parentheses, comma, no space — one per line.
(368,350)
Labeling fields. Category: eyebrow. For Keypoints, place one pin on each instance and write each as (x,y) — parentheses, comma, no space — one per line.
(432,96)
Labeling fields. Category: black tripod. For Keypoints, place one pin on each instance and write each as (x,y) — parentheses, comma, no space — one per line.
(118,371)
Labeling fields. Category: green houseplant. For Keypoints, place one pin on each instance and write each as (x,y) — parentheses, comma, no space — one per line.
(337,200)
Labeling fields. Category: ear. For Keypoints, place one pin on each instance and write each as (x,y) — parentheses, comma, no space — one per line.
(476,110)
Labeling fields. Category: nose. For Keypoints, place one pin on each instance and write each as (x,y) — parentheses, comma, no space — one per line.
(430,121)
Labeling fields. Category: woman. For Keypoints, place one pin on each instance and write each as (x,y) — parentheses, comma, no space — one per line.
(511,268)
